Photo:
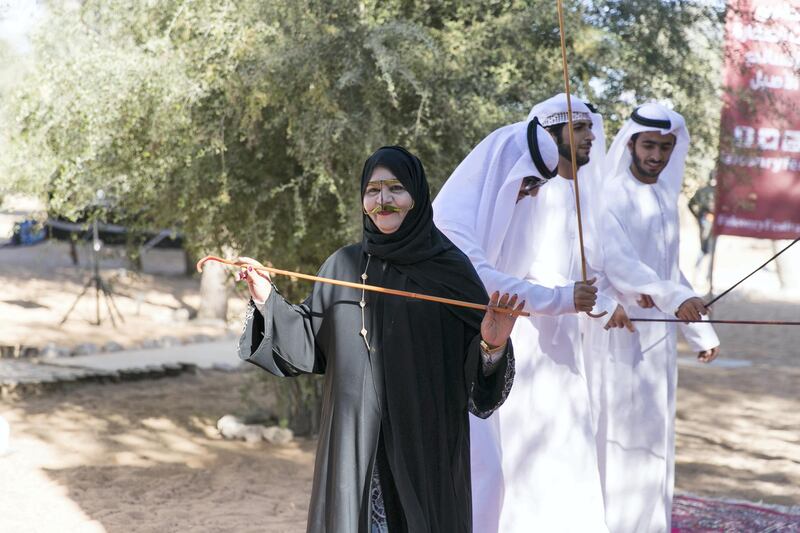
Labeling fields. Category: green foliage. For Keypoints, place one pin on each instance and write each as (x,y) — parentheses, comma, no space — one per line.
(245,123)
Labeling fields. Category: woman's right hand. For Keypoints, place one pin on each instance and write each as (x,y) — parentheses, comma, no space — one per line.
(258,281)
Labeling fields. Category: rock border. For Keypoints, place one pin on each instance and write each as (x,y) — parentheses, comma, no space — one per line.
(53,350)
(64,377)
(233,428)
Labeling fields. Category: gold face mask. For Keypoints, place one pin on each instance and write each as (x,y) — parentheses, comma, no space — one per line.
(380,207)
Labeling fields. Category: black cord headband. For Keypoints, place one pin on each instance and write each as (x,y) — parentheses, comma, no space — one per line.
(536,155)
(650,122)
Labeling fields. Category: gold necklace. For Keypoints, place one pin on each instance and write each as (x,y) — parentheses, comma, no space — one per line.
(363,303)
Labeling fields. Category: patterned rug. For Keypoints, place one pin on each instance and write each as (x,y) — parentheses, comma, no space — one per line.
(693,514)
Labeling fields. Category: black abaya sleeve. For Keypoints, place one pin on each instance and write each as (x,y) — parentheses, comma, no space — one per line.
(283,341)
(488,392)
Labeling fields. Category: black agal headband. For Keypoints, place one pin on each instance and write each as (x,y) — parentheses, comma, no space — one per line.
(536,154)
(650,122)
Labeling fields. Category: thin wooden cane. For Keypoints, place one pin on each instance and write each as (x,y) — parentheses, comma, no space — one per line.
(572,150)
(768,261)
(359,286)
(712,321)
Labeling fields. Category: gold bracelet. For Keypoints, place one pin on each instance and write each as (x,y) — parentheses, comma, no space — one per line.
(491,350)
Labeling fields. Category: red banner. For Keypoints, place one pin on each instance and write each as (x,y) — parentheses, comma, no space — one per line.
(758,175)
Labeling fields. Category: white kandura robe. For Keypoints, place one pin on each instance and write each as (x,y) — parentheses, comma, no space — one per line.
(478,211)
(550,469)
(506,275)
(633,378)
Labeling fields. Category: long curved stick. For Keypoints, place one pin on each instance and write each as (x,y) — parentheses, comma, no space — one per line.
(753,322)
(572,149)
(359,286)
(768,261)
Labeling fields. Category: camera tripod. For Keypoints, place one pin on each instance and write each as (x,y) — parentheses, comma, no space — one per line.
(100,286)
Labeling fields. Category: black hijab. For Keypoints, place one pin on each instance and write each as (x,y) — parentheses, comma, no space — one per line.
(429,357)
(417,239)
(418,249)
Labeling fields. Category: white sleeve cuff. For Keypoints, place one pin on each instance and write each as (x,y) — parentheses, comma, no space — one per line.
(699,336)
(677,299)
(565,296)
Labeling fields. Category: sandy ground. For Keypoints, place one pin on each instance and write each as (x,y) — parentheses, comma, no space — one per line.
(144,456)
(39,284)
(737,433)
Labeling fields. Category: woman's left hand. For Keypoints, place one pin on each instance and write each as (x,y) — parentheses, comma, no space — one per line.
(497,325)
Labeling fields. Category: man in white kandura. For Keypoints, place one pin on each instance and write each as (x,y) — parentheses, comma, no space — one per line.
(633,378)
(549,454)
(487,209)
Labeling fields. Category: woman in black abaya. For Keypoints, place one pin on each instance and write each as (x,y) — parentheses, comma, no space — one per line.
(400,374)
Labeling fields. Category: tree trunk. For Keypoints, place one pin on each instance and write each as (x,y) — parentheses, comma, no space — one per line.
(190,263)
(213,292)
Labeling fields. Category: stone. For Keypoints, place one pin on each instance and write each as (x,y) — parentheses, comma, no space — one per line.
(8,352)
(29,351)
(278,435)
(223,367)
(168,341)
(49,351)
(105,375)
(154,371)
(52,351)
(189,368)
(181,315)
(269,433)
(172,369)
(230,426)
(132,374)
(86,348)
(112,346)
(285,436)
(149,344)
(251,433)
(200,337)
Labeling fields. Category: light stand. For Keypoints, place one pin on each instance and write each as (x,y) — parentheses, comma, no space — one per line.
(100,285)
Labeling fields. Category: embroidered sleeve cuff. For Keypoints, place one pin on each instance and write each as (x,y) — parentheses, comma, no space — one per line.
(490,360)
